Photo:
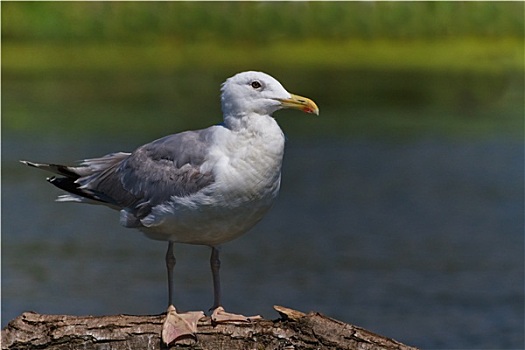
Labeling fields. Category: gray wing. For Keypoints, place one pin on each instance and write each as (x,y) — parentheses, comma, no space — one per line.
(164,168)
(149,176)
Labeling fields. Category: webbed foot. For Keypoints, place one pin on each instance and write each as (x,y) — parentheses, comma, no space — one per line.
(221,316)
(177,325)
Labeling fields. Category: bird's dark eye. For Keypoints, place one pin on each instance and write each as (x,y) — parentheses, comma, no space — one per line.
(255,84)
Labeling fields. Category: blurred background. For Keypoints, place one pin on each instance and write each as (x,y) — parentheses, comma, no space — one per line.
(401,207)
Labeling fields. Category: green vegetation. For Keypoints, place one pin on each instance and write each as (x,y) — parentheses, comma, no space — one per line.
(387,68)
(258,22)
(451,55)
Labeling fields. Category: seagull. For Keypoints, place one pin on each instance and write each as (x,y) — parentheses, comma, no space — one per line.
(203,187)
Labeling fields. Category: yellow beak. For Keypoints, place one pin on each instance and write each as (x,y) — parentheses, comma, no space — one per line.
(301,103)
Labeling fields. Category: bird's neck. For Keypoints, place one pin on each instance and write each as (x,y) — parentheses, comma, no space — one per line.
(255,123)
(234,122)
(261,131)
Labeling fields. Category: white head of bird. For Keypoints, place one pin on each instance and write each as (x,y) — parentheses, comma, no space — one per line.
(258,93)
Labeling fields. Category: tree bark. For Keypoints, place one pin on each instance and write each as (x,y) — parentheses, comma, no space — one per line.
(293,330)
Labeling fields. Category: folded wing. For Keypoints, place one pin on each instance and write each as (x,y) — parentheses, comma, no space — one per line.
(138,181)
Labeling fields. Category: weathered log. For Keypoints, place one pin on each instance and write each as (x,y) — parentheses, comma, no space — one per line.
(293,330)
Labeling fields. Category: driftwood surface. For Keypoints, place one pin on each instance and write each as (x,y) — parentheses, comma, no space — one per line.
(293,330)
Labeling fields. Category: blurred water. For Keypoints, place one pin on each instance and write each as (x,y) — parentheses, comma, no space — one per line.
(419,240)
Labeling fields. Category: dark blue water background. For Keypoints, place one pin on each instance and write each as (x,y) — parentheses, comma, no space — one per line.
(420,240)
